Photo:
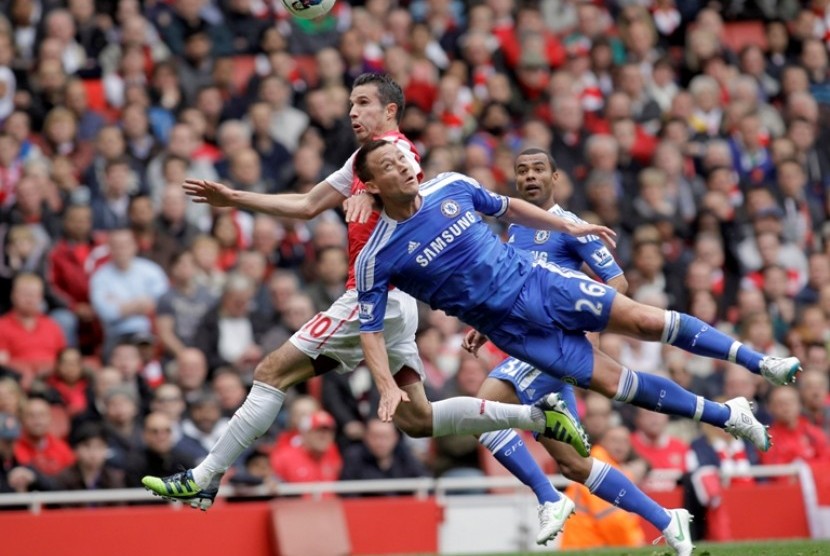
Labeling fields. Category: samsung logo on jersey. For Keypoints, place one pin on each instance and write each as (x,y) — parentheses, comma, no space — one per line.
(447,236)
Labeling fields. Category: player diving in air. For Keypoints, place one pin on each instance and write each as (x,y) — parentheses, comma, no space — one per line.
(331,340)
(430,243)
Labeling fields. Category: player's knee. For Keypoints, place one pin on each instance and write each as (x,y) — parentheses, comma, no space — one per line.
(415,427)
(271,372)
(575,468)
(650,321)
(416,422)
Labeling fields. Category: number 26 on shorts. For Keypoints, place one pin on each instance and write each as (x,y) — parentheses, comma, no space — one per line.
(591,289)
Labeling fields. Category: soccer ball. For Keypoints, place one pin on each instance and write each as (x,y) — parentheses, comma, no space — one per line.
(308,9)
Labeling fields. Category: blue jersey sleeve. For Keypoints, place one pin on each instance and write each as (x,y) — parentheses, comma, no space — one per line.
(597,256)
(372,286)
(484,201)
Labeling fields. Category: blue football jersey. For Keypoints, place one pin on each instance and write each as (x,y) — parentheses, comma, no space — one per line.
(444,255)
(564,249)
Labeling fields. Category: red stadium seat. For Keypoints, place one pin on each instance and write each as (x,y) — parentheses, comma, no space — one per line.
(310,528)
(739,34)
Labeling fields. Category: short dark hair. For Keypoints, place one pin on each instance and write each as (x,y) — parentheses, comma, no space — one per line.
(537,150)
(361,159)
(389,92)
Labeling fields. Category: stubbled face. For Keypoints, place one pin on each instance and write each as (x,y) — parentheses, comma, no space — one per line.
(535,178)
(392,174)
(366,112)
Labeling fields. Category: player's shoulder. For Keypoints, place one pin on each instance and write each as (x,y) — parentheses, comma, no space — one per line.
(568,215)
(441,181)
(561,212)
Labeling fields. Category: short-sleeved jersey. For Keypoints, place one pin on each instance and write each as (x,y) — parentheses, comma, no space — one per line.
(565,250)
(346,182)
(444,255)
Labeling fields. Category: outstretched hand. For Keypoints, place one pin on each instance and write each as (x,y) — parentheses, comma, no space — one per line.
(389,402)
(208,192)
(607,235)
(358,208)
(473,341)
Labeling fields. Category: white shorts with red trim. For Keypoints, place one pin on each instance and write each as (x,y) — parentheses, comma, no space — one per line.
(335,333)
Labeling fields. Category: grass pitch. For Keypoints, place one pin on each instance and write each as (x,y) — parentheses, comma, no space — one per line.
(768,548)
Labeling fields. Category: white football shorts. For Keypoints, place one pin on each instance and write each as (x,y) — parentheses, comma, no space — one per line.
(335,333)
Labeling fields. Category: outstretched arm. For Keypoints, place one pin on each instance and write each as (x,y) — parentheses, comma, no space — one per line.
(377,359)
(523,213)
(291,205)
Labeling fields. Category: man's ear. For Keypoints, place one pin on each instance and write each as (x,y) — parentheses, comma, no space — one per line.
(392,110)
(371,187)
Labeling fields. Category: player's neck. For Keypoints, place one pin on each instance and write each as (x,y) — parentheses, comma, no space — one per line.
(384,130)
(402,210)
(548,204)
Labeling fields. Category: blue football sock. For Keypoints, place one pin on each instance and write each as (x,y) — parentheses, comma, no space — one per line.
(614,487)
(510,451)
(658,393)
(695,336)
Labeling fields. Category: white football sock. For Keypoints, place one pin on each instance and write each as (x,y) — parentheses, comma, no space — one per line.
(464,415)
(251,420)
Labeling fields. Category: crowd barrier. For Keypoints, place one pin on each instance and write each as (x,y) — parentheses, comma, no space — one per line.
(308,519)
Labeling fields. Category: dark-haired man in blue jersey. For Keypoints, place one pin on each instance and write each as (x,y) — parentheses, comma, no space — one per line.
(514,381)
(431,243)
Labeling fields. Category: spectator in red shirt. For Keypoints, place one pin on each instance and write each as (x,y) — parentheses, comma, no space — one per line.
(28,338)
(315,458)
(37,447)
(70,264)
(660,450)
(70,381)
(814,388)
(795,437)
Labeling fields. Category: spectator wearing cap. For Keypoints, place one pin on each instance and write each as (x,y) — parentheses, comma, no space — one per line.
(125,290)
(37,446)
(315,458)
(203,426)
(90,470)
(28,338)
(159,457)
(381,455)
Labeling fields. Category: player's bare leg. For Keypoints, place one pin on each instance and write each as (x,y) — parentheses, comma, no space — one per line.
(278,371)
(467,415)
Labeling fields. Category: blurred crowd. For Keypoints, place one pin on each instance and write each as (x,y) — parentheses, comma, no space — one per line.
(132,319)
